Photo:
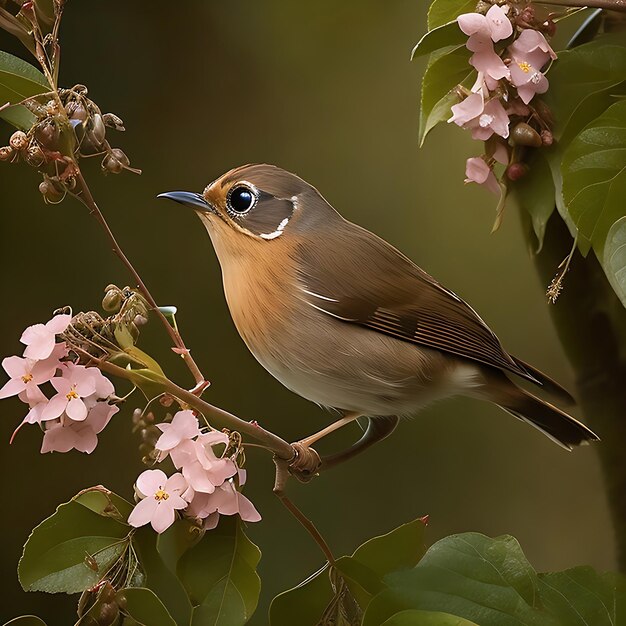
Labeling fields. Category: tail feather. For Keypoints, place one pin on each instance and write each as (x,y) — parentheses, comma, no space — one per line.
(550,420)
(547,383)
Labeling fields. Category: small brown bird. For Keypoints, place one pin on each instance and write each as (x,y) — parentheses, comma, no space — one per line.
(342,318)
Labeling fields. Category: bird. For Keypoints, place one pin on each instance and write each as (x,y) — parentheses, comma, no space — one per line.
(342,318)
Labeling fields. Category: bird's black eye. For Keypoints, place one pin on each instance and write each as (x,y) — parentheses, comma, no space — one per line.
(241,199)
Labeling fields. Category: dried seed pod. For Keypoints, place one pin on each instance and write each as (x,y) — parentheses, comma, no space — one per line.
(120,155)
(98,128)
(108,614)
(111,165)
(525,135)
(51,193)
(113,121)
(547,138)
(47,134)
(35,156)
(7,153)
(112,301)
(515,171)
(76,111)
(19,140)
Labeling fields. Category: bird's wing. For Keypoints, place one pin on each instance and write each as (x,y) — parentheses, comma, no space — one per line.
(366,281)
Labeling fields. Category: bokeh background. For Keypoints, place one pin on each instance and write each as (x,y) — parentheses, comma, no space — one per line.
(324,89)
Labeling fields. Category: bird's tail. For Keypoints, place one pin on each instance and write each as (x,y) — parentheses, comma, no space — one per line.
(550,420)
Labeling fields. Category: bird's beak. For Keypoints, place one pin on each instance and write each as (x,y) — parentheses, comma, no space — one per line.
(188,198)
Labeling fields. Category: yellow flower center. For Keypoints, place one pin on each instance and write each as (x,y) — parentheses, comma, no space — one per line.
(525,67)
(27,378)
(161,495)
(72,395)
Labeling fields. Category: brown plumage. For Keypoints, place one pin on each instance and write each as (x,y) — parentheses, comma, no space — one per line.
(344,319)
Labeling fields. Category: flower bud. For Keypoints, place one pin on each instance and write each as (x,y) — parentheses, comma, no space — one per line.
(136,418)
(525,135)
(6,153)
(112,301)
(113,121)
(35,156)
(18,140)
(515,171)
(547,138)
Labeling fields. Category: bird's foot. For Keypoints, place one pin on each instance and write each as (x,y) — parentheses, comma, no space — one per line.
(305,463)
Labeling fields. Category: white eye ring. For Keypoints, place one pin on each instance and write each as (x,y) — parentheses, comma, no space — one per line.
(241,199)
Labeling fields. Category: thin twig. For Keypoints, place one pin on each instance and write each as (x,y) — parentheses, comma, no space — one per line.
(282,474)
(83,194)
(609,5)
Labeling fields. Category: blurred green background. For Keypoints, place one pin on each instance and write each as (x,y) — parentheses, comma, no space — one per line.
(324,89)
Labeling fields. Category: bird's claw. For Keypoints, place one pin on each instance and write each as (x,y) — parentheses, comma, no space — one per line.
(305,462)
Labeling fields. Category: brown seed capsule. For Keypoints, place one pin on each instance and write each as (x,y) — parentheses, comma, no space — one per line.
(120,155)
(49,191)
(18,140)
(515,171)
(47,134)
(108,614)
(112,301)
(549,28)
(113,121)
(547,138)
(525,135)
(76,111)
(97,128)
(35,156)
(6,153)
(111,164)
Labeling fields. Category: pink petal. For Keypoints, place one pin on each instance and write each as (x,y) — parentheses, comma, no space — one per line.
(86,439)
(39,341)
(501,153)
(487,61)
(33,396)
(103,386)
(225,499)
(221,471)
(499,119)
(531,46)
(476,170)
(198,504)
(58,439)
(467,110)
(100,415)
(471,23)
(176,502)
(16,366)
(211,521)
(175,484)
(61,384)
(58,323)
(163,517)
(54,408)
(143,511)
(76,410)
(12,388)
(499,24)
(247,512)
(150,481)
(197,477)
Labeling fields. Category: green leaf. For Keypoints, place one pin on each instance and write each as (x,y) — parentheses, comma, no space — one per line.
(13,26)
(57,553)
(219,574)
(160,578)
(19,80)
(594,177)
(587,69)
(308,601)
(614,258)
(401,548)
(26,620)
(444,11)
(426,618)
(441,37)
(536,195)
(104,502)
(580,596)
(144,607)
(487,581)
(446,69)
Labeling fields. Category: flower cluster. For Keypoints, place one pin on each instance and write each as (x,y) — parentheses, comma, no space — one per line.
(496,108)
(205,487)
(79,409)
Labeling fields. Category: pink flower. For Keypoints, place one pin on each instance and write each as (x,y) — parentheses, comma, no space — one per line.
(477,171)
(40,338)
(161,498)
(528,80)
(482,118)
(26,376)
(225,500)
(76,384)
(495,25)
(485,59)
(66,435)
(467,110)
(531,46)
(184,426)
